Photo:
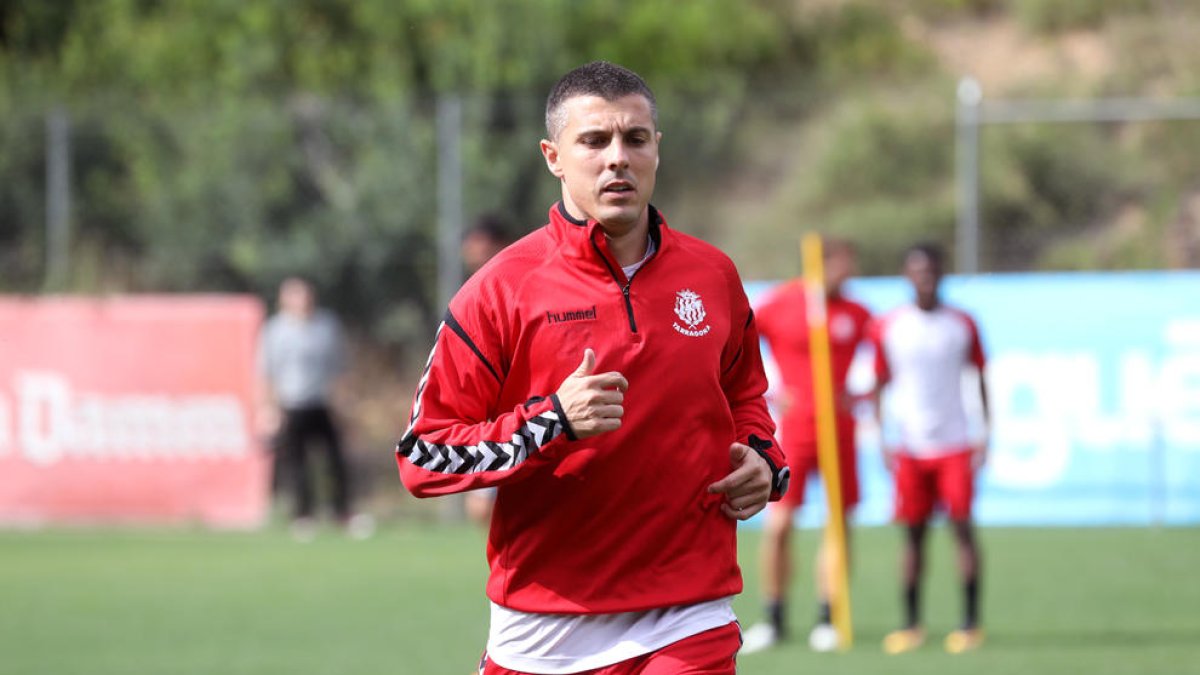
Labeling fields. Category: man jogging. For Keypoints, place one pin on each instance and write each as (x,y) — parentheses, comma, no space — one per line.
(603,372)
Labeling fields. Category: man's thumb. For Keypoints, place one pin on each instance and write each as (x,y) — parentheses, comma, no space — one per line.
(588,365)
(737,453)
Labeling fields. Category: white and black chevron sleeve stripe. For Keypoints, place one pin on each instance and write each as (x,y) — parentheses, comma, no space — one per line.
(484,455)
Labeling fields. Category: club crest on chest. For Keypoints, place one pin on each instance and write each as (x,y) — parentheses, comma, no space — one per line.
(690,310)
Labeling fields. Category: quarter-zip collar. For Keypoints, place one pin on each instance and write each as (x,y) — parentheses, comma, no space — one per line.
(583,242)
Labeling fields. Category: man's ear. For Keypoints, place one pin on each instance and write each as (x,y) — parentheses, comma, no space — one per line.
(550,153)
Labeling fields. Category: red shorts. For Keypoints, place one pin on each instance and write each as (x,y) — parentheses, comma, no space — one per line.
(923,483)
(803,461)
(709,653)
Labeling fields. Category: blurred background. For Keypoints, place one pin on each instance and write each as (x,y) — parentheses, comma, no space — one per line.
(192,154)
(219,146)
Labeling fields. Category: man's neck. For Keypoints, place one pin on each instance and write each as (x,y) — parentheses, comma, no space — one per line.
(627,243)
(629,247)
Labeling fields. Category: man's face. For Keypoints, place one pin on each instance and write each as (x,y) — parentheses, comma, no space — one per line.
(923,274)
(840,265)
(296,297)
(606,157)
(477,249)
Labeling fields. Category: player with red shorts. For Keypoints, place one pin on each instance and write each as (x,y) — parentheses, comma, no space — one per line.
(603,373)
(783,323)
(921,351)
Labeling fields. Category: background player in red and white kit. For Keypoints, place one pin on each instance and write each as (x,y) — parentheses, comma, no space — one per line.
(922,351)
(783,323)
(604,373)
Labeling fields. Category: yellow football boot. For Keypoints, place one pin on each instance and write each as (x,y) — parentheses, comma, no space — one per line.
(964,640)
(903,640)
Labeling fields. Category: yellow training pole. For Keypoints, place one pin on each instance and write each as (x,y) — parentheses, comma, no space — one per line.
(827,444)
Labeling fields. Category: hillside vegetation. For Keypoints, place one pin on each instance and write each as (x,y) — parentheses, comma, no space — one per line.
(871,155)
(218,145)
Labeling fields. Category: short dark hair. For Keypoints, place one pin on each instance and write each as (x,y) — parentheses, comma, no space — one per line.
(598,78)
(831,246)
(490,226)
(931,251)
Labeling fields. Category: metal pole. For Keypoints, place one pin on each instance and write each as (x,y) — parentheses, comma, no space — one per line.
(58,198)
(449,196)
(970,95)
(449,234)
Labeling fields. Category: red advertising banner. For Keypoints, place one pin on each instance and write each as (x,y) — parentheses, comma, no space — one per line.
(130,410)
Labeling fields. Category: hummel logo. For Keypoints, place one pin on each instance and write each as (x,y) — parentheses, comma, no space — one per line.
(576,315)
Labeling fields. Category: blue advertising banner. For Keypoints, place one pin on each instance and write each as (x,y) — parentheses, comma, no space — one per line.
(1094,385)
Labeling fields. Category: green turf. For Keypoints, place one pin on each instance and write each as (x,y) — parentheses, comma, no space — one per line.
(410,601)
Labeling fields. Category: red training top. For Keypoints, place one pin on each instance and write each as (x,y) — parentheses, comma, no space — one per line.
(783,321)
(621,521)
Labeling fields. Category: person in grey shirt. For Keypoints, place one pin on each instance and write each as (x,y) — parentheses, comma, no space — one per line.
(301,356)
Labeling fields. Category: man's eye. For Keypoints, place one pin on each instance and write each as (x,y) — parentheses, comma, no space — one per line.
(594,141)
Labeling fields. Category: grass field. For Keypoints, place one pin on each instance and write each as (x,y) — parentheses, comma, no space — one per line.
(410,600)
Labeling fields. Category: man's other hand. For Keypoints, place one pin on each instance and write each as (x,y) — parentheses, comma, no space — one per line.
(979,455)
(747,488)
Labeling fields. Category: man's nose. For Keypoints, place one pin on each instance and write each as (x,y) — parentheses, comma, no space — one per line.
(617,155)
